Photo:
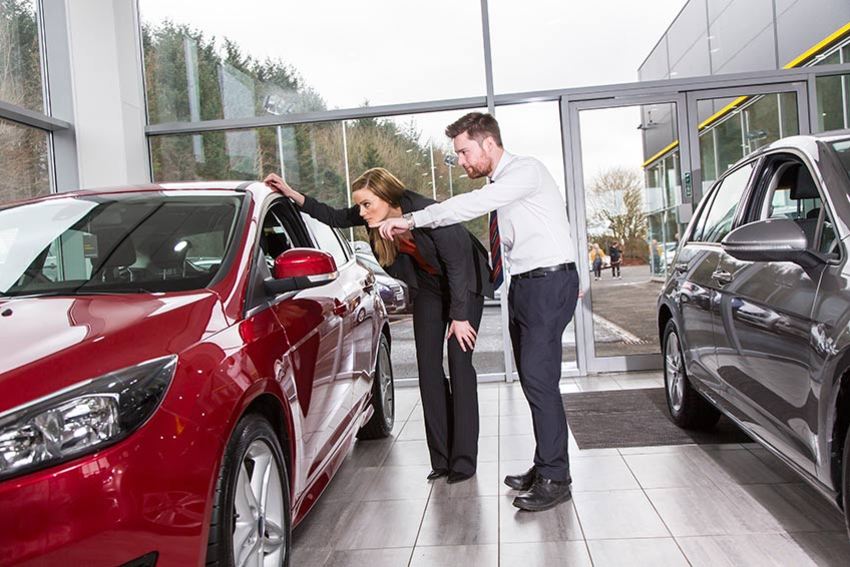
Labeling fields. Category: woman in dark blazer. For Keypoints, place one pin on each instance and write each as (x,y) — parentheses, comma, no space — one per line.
(448,274)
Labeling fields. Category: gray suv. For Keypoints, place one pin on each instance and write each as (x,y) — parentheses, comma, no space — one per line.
(755,317)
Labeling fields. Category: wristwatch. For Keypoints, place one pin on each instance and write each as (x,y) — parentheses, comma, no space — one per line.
(409,218)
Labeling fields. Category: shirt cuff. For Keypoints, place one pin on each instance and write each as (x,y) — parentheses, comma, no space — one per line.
(422,219)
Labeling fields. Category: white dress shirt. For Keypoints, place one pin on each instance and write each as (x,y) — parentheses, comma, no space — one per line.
(532,214)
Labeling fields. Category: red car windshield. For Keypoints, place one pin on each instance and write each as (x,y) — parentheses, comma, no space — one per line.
(116,243)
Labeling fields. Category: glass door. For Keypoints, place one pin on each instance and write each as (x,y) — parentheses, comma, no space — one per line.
(627,179)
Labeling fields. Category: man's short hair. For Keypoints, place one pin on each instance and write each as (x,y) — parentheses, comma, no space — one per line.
(477,126)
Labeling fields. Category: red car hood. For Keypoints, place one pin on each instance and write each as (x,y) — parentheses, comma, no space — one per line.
(49,343)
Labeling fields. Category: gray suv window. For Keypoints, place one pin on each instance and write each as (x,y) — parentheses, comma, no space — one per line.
(792,194)
(716,220)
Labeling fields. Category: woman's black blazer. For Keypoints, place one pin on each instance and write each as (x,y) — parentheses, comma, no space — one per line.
(457,255)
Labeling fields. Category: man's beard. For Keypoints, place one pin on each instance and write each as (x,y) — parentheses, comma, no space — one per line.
(475,173)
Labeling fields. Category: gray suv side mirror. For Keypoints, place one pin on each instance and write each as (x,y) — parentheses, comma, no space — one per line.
(772,240)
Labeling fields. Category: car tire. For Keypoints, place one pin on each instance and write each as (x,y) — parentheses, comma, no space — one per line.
(253,444)
(380,425)
(688,409)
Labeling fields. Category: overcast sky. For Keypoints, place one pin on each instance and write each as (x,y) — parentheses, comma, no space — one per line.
(395,51)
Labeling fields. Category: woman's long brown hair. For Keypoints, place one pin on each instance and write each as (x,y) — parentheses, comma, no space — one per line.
(386,187)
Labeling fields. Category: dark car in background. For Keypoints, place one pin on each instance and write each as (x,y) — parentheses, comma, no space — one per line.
(394,292)
(755,316)
(184,369)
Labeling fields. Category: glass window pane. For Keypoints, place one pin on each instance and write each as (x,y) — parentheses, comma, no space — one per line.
(414,148)
(23,161)
(206,60)
(719,219)
(20,57)
(547,44)
(833,107)
(631,217)
(535,130)
(326,240)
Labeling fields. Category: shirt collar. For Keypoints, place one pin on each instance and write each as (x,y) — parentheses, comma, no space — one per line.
(503,161)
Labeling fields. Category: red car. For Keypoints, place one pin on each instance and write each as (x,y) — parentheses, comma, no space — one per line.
(183,369)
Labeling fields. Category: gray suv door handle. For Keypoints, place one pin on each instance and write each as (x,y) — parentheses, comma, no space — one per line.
(721,276)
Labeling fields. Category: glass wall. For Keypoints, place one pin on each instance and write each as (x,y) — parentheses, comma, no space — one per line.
(321,160)
(20,56)
(833,93)
(205,60)
(535,130)
(742,126)
(24,154)
(23,161)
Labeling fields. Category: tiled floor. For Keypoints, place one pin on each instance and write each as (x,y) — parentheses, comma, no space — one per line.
(682,505)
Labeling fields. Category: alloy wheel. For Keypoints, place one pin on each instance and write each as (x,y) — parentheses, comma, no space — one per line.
(675,373)
(387,390)
(259,533)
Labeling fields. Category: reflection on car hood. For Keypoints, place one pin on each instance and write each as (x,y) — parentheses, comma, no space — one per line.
(50,343)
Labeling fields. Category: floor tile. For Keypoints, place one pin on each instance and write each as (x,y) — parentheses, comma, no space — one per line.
(488,449)
(369,453)
(547,554)
(317,556)
(488,426)
(350,483)
(380,524)
(756,549)
(485,483)
(515,425)
(408,453)
(412,431)
(456,555)
(596,384)
(516,447)
(601,473)
(658,552)
(399,483)
(710,511)
(620,514)
(795,507)
(395,557)
(518,526)
(824,548)
(734,467)
(667,470)
(460,521)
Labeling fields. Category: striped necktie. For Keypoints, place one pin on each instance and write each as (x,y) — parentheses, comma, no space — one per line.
(496,275)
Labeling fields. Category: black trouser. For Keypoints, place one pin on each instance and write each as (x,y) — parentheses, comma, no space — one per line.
(451,410)
(539,310)
(615,269)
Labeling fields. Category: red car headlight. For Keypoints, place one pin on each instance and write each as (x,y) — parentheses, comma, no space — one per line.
(83,418)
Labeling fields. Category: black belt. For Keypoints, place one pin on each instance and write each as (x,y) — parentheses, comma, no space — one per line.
(545,271)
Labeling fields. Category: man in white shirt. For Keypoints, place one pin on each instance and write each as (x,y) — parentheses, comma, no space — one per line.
(529,218)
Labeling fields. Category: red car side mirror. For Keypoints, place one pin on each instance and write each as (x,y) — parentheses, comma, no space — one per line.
(301,268)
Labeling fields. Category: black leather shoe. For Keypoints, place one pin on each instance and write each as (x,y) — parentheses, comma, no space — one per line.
(437,473)
(522,481)
(458,477)
(543,494)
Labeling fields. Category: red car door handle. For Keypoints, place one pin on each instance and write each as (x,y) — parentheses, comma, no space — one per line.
(340,308)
